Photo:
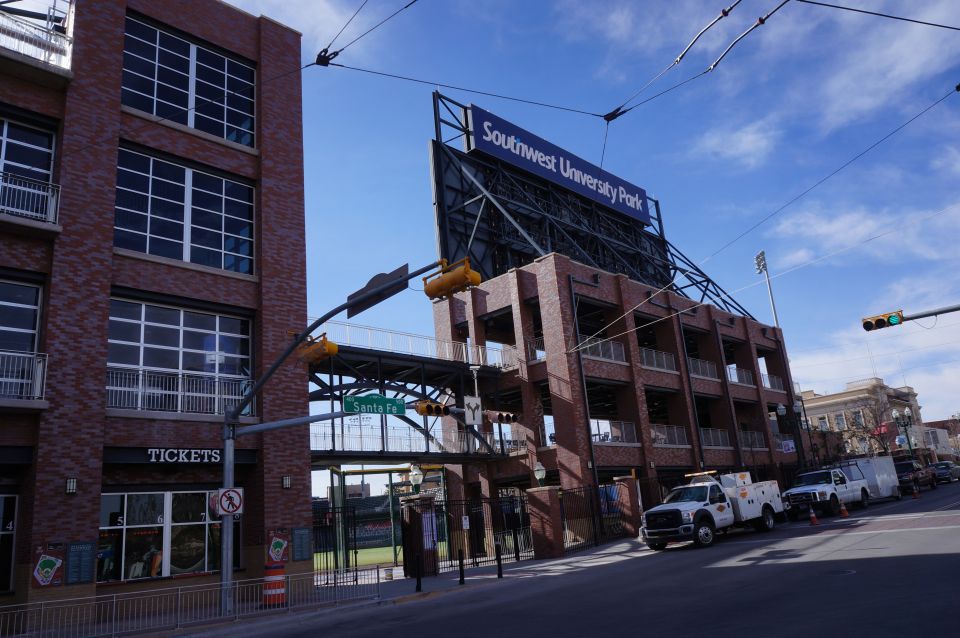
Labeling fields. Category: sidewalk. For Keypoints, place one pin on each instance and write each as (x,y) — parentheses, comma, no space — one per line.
(403,590)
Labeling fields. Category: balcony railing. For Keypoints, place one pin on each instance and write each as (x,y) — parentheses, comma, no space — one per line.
(773,382)
(535,350)
(603,349)
(352,437)
(752,440)
(37,41)
(22,375)
(657,360)
(612,432)
(29,198)
(669,435)
(740,376)
(712,437)
(702,368)
(346,334)
(138,389)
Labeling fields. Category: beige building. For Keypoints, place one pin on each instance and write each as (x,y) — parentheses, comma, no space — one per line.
(863,416)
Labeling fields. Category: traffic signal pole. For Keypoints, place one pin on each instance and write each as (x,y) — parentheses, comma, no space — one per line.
(232,417)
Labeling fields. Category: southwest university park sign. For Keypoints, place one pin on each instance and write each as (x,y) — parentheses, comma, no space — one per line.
(512,144)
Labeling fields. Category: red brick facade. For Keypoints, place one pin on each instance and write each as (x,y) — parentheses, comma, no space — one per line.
(536,301)
(79,269)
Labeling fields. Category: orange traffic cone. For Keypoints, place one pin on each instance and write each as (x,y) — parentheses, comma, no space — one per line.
(916,491)
(813,517)
(843,510)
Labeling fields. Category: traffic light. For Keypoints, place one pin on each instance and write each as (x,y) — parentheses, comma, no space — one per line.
(505,417)
(882,321)
(431,408)
(315,350)
(450,279)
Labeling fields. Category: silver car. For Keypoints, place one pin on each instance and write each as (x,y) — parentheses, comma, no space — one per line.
(947,471)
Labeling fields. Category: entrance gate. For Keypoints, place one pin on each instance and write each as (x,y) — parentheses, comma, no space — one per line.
(476,527)
(334,538)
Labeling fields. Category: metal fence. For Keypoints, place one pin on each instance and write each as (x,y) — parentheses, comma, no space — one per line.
(611,432)
(591,515)
(29,198)
(752,440)
(703,368)
(603,349)
(22,375)
(712,437)
(139,389)
(669,435)
(657,360)
(334,539)
(536,350)
(34,40)
(773,382)
(740,375)
(477,527)
(351,437)
(176,607)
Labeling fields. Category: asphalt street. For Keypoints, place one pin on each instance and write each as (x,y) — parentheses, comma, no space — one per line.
(890,570)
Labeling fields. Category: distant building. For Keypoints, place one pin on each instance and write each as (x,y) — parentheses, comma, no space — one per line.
(361,490)
(861,420)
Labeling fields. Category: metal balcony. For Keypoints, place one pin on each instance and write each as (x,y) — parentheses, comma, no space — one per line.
(613,432)
(36,40)
(773,382)
(22,375)
(536,350)
(602,349)
(740,376)
(713,437)
(152,390)
(702,368)
(657,360)
(752,440)
(22,197)
(669,435)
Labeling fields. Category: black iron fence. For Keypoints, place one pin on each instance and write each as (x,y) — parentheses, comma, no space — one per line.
(477,527)
(591,515)
(334,538)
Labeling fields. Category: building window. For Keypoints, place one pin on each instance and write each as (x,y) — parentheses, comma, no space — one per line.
(155,534)
(19,316)
(822,423)
(8,525)
(169,210)
(26,169)
(840,421)
(171,359)
(183,82)
(857,418)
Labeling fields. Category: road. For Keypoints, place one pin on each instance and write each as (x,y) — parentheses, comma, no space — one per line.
(890,570)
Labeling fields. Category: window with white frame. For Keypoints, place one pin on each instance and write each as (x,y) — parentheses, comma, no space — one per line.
(176,79)
(156,534)
(170,210)
(26,169)
(840,421)
(19,316)
(822,423)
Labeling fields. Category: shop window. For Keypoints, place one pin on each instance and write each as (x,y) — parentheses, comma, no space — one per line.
(156,534)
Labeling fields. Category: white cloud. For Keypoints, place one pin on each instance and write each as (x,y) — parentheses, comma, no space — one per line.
(748,146)
(794,258)
(948,161)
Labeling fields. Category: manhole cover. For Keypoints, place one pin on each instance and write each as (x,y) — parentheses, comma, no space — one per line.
(842,572)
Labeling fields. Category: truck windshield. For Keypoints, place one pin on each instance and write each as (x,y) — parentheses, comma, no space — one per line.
(904,468)
(687,493)
(814,478)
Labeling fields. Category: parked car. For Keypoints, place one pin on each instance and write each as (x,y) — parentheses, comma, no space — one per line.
(947,471)
(824,490)
(913,476)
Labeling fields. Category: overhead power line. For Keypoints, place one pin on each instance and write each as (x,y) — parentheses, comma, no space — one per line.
(467,90)
(881,15)
(325,56)
(346,24)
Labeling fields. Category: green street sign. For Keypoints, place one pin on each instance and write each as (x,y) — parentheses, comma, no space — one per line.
(373,404)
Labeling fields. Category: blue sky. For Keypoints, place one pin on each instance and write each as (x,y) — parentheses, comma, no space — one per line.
(792,102)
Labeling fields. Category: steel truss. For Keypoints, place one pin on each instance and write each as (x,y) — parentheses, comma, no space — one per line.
(502,218)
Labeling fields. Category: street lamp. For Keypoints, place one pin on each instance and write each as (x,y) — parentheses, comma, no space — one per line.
(416,478)
(904,424)
(539,472)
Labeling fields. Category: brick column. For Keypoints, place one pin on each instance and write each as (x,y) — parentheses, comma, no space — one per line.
(628,500)
(546,525)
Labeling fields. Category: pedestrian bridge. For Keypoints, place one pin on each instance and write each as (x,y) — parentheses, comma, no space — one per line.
(413,368)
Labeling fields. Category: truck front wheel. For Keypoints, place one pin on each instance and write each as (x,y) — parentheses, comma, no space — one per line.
(766,522)
(703,534)
(833,509)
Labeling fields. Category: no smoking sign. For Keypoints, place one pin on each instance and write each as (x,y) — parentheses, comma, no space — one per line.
(230,501)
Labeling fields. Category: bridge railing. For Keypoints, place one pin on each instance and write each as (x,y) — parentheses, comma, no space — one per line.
(348,334)
(371,437)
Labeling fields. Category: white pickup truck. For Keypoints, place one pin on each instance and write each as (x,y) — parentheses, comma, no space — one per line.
(824,490)
(696,511)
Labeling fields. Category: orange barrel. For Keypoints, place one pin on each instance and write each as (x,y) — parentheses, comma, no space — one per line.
(274,585)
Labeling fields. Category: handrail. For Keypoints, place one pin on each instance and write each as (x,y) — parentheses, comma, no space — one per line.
(30,198)
(23,375)
(35,41)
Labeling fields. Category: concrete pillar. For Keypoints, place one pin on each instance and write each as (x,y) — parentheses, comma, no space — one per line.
(546,524)
(419,520)
(628,500)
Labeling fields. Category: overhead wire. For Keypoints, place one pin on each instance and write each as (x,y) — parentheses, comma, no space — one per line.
(346,24)
(881,15)
(873,356)
(325,56)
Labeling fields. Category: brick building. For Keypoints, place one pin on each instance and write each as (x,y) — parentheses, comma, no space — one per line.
(659,387)
(152,260)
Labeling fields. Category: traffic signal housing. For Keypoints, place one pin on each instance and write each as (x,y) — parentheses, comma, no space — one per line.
(315,350)
(451,279)
(504,417)
(431,408)
(885,320)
